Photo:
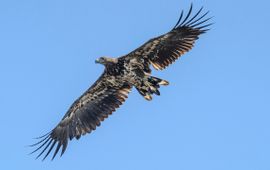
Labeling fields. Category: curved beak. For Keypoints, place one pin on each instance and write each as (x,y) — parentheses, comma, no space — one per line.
(97,61)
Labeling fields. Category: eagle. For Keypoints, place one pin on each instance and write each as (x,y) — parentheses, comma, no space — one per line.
(119,77)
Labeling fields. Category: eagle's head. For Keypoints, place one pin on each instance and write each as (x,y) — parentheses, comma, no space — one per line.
(106,60)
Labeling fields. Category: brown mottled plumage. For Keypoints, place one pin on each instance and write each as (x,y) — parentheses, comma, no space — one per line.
(119,76)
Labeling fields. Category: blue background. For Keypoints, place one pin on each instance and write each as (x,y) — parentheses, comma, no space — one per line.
(213,116)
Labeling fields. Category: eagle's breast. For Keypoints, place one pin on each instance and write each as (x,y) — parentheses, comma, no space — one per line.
(116,69)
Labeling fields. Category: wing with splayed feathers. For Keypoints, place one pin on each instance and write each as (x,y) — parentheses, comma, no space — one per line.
(85,114)
(165,49)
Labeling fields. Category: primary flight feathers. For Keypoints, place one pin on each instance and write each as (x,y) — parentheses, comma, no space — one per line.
(120,75)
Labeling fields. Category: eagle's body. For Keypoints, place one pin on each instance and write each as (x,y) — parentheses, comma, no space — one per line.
(118,78)
(130,71)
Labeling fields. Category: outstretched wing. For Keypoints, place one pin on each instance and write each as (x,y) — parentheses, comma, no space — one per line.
(84,115)
(165,49)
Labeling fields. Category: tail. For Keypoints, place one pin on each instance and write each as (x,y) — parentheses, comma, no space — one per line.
(151,86)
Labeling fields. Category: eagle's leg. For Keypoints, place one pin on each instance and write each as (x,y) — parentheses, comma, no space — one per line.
(149,86)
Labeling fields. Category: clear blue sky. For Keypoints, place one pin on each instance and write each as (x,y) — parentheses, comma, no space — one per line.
(214,115)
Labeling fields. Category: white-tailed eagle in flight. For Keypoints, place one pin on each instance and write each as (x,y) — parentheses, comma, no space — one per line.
(119,76)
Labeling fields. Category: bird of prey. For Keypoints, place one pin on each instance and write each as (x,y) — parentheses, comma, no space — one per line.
(119,76)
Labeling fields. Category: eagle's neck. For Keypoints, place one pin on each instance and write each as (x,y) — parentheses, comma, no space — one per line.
(111,61)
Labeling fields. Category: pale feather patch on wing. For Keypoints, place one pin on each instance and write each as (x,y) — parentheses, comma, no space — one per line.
(156,65)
